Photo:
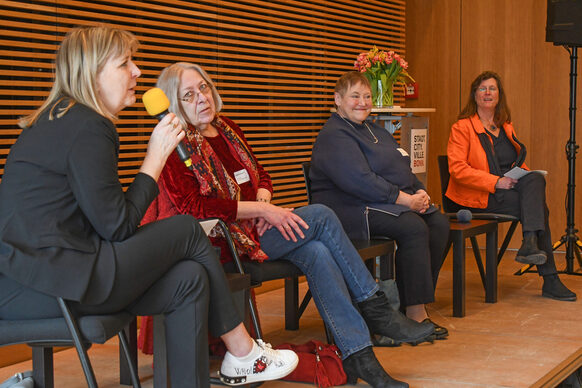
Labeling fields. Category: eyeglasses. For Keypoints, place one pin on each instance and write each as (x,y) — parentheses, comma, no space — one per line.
(193,96)
(483,89)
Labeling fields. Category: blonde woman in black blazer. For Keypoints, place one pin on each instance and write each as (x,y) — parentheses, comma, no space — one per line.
(67,228)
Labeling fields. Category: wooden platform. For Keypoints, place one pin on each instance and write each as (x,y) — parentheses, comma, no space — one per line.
(523,340)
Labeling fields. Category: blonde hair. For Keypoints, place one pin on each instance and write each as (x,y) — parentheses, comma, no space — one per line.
(169,82)
(81,56)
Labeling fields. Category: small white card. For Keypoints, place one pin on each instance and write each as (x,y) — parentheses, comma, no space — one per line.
(242,176)
(207,225)
(402,151)
(518,172)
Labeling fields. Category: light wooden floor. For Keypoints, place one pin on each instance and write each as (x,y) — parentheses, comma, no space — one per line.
(513,343)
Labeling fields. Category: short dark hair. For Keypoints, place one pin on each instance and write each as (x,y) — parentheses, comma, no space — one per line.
(349,79)
(502,113)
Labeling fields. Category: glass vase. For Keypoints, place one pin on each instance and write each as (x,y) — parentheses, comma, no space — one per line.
(383,93)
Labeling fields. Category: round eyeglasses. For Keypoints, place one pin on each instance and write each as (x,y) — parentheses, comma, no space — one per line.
(193,96)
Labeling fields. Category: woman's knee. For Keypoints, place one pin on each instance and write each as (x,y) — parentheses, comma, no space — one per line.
(310,255)
(440,222)
(320,212)
(412,227)
(190,279)
(533,181)
(176,227)
(186,222)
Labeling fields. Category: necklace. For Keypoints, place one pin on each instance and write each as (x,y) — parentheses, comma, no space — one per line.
(375,141)
(490,126)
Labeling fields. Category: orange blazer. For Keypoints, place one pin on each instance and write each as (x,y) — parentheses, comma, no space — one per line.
(472,176)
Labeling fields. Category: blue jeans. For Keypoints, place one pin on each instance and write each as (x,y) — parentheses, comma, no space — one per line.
(336,274)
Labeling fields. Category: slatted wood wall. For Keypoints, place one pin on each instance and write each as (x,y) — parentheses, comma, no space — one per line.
(275,63)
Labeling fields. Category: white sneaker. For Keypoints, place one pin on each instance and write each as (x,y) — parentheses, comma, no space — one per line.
(261,364)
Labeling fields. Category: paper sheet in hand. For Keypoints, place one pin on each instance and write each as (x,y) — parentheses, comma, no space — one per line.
(518,172)
(207,225)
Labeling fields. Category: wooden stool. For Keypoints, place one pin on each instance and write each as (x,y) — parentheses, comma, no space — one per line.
(459,232)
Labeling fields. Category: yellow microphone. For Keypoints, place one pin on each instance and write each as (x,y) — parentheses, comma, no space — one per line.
(156,103)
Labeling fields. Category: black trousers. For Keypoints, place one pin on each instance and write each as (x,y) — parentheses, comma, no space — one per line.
(422,240)
(168,267)
(527,202)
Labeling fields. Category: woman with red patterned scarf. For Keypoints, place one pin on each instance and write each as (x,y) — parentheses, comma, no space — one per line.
(227,181)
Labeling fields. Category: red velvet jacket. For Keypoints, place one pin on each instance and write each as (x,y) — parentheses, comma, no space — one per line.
(180,194)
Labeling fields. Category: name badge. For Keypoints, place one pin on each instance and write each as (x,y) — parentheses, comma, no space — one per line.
(402,151)
(242,176)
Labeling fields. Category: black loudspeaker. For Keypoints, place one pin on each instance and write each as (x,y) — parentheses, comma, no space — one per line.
(564,22)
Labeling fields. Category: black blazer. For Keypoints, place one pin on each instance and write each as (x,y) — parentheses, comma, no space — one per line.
(62,205)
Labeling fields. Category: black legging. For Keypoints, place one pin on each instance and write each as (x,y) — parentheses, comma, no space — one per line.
(527,202)
(421,240)
(166,267)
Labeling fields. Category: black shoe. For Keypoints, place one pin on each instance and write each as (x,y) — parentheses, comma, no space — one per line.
(364,365)
(554,288)
(384,321)
(440,332)
(529,253)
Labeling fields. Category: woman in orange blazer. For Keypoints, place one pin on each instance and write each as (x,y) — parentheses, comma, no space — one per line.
(483,147)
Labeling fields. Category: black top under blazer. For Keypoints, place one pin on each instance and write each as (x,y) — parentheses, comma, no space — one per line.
(62,205)
(353,175)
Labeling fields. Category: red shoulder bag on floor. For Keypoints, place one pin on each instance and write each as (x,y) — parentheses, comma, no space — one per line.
(319,364)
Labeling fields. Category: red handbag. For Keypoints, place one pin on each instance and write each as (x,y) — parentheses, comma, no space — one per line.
(319,364)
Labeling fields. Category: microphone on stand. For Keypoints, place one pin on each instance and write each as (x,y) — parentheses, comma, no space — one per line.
(464,215)
(157,104)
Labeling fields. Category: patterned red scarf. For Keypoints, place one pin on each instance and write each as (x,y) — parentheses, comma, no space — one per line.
(214,181)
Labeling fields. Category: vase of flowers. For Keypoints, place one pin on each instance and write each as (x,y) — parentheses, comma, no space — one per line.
(383,70)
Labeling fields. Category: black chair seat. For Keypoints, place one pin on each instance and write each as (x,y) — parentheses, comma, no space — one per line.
(94,329)
(44,334)
(267,270)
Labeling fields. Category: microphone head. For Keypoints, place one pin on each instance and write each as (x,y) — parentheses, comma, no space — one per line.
(464,215)
(156,102)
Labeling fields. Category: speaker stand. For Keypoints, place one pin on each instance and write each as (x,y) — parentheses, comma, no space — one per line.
(570,239)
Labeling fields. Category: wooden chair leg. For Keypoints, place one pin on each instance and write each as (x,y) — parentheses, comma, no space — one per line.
(506,240)
(387,267)
(42,367)
(291,303)
(478,259)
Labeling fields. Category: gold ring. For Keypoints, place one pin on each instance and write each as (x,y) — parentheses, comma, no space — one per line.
(174,125)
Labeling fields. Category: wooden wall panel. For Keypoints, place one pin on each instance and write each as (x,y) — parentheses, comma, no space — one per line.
(507,37)
(275,64)
(433,56)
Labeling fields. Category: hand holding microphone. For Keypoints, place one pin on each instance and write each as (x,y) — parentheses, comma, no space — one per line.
(169,131)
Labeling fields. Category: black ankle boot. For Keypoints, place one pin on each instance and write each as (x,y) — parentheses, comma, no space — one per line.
(383,320)
(554,288)
(365,365)
(529,253)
